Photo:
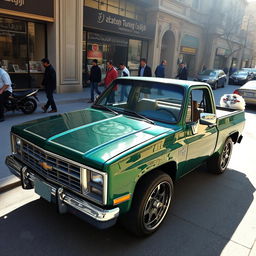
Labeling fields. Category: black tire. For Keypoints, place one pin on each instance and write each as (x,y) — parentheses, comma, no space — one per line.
(219,162)
(230,82)
(29,106)
(224,82)
(150,204)
(215,86)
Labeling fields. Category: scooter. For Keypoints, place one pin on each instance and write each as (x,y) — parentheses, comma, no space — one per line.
(22,100)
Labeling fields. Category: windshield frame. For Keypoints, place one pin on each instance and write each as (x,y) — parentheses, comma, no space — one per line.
(131,82)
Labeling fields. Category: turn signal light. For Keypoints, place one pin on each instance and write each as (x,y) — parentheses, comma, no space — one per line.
(122,199)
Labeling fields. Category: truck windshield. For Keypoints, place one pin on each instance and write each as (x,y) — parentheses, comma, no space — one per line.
(152,100)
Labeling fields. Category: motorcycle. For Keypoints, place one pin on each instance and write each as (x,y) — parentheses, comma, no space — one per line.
(22,100)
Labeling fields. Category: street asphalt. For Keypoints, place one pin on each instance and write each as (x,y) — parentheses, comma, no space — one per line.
(210,214)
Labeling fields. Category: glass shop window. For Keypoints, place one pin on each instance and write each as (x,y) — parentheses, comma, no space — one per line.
(134,55)
(36,42)
(113,6)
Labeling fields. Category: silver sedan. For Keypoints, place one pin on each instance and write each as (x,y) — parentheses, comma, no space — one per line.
(248,92)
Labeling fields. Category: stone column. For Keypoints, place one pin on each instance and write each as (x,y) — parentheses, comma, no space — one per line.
(65,44)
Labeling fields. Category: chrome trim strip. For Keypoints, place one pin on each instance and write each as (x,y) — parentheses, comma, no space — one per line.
(83,206)
(105,175)
(91,210)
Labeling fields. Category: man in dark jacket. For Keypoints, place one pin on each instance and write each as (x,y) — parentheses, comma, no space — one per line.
(49,83)
(160,69)
(183,72)
(95,79)
(144,69)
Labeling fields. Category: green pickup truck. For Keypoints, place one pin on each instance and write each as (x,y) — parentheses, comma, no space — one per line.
(119,158)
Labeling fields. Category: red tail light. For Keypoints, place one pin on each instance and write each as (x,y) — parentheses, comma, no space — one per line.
(236,92)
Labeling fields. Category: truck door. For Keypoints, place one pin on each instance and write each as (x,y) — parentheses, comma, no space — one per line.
(200,139)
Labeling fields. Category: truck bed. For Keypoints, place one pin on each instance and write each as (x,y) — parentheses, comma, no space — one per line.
(225,112)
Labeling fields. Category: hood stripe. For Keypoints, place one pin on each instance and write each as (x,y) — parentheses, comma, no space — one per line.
(80,127)
(114,140)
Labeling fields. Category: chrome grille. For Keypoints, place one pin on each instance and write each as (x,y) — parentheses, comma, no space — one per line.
(62,172)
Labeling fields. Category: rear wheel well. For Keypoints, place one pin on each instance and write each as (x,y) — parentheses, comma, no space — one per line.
(234,137)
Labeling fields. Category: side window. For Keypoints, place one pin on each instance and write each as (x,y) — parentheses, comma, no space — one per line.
(199,102)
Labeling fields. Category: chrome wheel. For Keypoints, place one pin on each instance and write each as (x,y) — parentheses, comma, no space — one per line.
(157,205)
(225,156)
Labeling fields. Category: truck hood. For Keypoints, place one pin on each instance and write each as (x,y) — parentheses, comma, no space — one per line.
(89,136)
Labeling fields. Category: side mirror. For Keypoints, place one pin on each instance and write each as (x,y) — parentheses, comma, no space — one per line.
(208,119)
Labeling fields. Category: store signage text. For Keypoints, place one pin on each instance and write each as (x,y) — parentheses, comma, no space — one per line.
(102,20)
(121,22)
(16,2)
(35,9)
(188,50)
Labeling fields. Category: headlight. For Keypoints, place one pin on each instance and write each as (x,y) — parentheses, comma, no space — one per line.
(94,184)
(16,145)
(97,178)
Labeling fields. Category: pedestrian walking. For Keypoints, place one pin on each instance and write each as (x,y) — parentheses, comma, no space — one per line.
(111,75)
(124,72)
(160,72)
(5,90)
(160,69)
(49,83)
(95,79)
(144,69)
(183,72)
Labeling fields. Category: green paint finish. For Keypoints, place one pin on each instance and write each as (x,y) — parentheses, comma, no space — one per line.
(127,148)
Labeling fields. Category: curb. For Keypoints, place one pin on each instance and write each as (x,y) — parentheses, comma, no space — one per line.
(9,183)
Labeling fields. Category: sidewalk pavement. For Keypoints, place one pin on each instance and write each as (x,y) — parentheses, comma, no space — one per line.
(63,100)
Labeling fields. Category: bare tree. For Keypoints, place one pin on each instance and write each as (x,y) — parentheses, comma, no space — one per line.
(224,23)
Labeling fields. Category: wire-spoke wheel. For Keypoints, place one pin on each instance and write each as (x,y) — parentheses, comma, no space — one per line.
(150,203)
(219,163)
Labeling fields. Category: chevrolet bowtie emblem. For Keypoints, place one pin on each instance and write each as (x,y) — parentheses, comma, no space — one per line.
(45,166)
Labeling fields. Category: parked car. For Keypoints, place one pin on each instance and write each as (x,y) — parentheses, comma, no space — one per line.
(252,71)
(240,77)
(248,92)
(119,159)
(214,77)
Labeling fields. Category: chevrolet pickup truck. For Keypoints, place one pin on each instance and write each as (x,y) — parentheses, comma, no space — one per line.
(118,159)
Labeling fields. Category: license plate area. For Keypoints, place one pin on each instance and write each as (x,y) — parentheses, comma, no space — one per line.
(249,94)
(43,189)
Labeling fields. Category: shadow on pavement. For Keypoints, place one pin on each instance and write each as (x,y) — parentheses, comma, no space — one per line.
(206,211)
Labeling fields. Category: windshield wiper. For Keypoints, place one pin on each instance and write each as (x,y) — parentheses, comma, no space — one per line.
(107,108)
(139,115)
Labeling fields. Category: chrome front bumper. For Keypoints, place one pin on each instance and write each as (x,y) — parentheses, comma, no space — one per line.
(67,202)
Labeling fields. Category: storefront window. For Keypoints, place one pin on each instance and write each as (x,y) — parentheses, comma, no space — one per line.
(22,46)
(105,47)
(36,42)
(113,6)
(130,11)
(103,5)
(134,54)
(92,3)
(120,7)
